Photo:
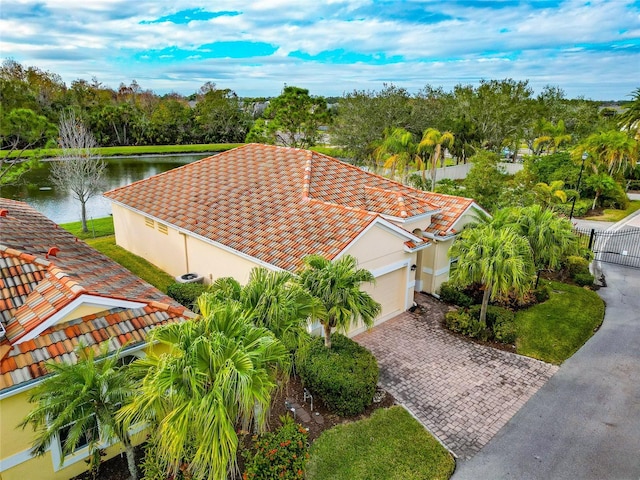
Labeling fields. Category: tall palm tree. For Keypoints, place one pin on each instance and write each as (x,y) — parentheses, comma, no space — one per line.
(614,150)
(218,375)
(499,259)
(552,136)
(274,300)
(550,236)
(432,143)
(82,398)
(337,285)
(629,120)
(398,151)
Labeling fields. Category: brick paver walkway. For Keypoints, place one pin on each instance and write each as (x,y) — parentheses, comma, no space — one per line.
(461,391)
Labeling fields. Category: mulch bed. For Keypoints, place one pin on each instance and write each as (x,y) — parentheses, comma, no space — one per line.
(116,468)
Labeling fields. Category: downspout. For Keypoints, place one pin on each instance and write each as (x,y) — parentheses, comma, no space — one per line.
(186,253)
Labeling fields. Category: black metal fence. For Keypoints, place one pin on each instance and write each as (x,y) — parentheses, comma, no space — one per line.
(621,247)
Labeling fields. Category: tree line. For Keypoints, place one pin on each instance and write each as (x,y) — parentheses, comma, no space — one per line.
(493,115)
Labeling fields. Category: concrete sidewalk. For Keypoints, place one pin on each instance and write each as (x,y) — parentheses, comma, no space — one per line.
(585,422)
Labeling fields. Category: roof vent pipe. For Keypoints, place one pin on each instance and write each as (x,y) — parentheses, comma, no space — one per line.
(53,252)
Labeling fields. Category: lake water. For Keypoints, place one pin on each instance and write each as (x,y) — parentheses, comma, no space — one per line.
(36,189)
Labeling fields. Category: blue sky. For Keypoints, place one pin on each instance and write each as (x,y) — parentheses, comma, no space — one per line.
(255,47)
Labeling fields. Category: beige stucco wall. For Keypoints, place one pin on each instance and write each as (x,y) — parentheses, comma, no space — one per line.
(166,251)
(381,251)
(434,265)
(175,252)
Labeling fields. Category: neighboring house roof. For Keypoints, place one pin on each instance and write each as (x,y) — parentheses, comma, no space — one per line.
(45,272)
(279,204)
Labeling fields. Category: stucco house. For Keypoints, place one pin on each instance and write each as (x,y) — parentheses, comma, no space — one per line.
(270,206)
(55,293)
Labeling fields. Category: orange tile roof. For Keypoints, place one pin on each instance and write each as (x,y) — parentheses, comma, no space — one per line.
(279,204)
(33,288)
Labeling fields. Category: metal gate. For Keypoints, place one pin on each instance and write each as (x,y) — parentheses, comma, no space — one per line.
(621,247)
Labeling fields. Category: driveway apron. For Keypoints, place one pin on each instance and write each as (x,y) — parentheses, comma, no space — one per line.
(461,391)
(585,422)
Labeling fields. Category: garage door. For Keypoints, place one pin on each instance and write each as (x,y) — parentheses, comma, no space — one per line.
(390,291)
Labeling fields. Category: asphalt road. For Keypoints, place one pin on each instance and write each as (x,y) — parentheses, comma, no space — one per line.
(585,422)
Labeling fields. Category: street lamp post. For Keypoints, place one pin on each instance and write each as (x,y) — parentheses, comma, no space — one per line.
(573,204)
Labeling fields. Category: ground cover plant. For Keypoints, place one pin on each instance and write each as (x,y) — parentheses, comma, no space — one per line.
(370,448)
(554,330)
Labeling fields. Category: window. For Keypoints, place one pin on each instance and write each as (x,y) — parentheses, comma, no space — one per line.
(149,222)
(163,229)
(63,435)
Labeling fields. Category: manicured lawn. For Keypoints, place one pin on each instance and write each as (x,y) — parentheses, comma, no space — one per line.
(137,265)
(98,227)
(389,445)
(554,330)
(139,150)
(613,215)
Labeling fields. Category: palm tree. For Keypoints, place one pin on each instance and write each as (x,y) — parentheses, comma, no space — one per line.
(630,118)
(82,399)
(550,194)
(398,151)
(550,236)
(337,285)
(613,149)
(552,136)
(601,183)
(497,258)
(432,143)
(274,300)
(218,376)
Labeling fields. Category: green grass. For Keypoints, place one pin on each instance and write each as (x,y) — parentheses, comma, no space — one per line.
(135,264)
(137,150)
(615,215)
(98,227)
(554,330)
(389,445)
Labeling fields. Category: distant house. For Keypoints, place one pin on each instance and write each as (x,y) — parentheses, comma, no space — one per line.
(269,206)
(55,293)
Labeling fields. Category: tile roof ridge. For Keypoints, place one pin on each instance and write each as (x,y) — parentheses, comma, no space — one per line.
(306,181)
(27,257)
(173,309)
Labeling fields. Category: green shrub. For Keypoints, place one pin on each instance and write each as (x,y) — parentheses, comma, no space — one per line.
(344,377)
(505,332)
(282,454)
(494,314)
(575,265)
(584,279)
(542,293)
(580,210)
(450,294)
(464,323)
(186,293)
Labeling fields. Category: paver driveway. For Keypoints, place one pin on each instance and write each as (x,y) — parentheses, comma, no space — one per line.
(461,391)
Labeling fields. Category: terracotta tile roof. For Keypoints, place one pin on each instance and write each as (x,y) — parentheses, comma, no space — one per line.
(34,288)
(26,361)
(279,204)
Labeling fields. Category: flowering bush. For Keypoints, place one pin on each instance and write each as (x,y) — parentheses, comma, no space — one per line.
(278,455)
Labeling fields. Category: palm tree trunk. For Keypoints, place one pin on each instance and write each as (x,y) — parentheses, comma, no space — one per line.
(485,304)
(131,458)
(594,201)
(433,172)
(327,334)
